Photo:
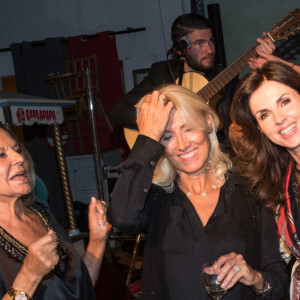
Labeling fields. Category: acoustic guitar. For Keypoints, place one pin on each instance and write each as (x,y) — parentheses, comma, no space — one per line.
(207,90)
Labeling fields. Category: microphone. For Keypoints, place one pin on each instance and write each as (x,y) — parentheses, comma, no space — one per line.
(181,46)
(184,43)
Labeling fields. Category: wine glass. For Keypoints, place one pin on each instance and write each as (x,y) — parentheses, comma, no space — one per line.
(211,283)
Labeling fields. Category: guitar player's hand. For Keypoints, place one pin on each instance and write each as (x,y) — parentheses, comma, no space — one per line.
(265,44)
(154,115)
(264,51)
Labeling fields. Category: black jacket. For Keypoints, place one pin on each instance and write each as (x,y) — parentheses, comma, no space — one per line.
(124,114)
(177,244)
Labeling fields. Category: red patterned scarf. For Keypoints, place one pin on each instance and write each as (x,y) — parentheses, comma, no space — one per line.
(287,232)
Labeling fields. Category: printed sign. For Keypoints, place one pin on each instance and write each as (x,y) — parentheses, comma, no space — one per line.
(29,115)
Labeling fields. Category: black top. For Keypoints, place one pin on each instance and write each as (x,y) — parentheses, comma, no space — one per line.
(124,114)
(74,283)
(177,244)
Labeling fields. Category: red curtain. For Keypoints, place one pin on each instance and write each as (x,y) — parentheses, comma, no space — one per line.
(110,83)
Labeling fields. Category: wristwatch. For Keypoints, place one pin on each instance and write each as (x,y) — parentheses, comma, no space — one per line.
(17,295)
(266,287)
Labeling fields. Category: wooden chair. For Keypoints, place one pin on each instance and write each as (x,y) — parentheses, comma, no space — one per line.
(73,85)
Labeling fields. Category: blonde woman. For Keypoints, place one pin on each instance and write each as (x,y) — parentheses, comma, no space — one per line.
(176,187)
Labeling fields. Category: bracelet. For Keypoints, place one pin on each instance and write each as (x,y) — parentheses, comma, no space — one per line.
(293,65)
(266,287)
(14,294)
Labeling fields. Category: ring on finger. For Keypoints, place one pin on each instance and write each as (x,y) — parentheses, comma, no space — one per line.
(162,98)
(236,268)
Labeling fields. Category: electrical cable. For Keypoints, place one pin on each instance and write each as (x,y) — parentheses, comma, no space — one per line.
(165,47)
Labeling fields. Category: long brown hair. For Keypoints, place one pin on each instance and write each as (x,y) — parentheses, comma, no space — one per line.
(258,159)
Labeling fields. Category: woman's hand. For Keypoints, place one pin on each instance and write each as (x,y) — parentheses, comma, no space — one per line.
(41,259)
(42,256)
(154,115)
(257,63)
(99,230)
(233,268)
(98,225)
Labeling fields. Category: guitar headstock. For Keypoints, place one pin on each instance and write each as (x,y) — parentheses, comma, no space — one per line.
(286,26)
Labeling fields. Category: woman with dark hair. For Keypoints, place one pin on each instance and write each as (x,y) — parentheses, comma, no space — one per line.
(266,141)
(37,259)
(177,187)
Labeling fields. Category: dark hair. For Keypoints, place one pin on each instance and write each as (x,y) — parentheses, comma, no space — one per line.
(25,201)
(186,24)
(261,161)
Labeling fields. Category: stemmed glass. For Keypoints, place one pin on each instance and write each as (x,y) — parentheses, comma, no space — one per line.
(211,283)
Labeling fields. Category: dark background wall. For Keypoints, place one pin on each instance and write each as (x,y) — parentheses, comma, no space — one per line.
(242,20)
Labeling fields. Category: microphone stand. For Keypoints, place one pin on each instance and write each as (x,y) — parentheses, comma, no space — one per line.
(183,48)
(96,149)
(98,156)
(181,68)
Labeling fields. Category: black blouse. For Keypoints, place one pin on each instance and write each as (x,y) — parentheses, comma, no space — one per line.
(71,283)
(177,244)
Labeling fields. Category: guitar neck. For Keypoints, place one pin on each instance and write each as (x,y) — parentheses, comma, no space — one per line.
(218,82)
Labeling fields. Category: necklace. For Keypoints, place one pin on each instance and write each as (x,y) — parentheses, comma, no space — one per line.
(203,194)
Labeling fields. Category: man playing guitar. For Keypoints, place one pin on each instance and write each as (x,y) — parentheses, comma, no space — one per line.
(193,40)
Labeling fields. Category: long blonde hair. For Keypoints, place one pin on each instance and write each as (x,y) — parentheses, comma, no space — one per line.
(194,112)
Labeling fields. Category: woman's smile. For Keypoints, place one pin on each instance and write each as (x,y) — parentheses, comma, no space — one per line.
(187,148)
(188,155)
(276,108)
(288,131)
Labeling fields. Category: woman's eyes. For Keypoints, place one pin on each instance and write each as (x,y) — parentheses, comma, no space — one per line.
(285,101)
(264,115)
(19,150)
(166,138)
